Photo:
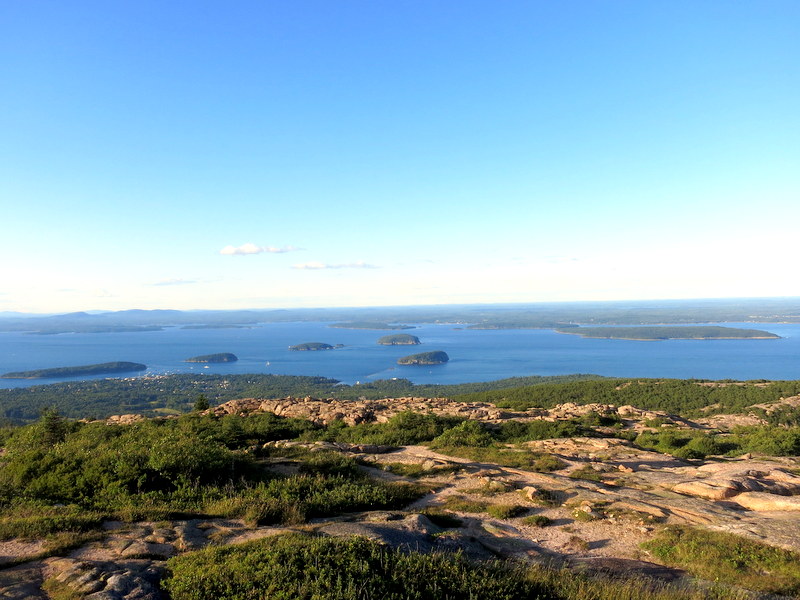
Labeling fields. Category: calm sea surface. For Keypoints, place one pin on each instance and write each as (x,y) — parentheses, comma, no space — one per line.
(475,355)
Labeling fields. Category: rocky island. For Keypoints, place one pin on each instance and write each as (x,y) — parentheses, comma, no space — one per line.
(704,332)
(437,357)
(399,339)
(221,357)
(313,346)
(98,369)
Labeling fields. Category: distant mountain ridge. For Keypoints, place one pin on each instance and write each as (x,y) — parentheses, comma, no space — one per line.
(478,316)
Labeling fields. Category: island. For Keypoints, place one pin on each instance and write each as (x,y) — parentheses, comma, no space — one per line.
(98,369)
(221,357)
(704,332)
(369,325)
(436,357)
(399,339)
(313,346)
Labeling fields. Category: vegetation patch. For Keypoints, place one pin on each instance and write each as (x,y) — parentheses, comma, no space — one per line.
(537,521)
(728,558)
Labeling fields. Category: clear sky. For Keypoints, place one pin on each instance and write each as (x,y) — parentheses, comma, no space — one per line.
(238,154)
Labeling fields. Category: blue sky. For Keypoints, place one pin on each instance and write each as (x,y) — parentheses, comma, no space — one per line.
(278,154)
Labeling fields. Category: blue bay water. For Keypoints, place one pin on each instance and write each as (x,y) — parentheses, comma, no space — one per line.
(475,355)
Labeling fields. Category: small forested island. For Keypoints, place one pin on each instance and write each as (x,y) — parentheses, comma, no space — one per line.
(399,339)
(98,369)
(369,325)
(709,332)
(220,357)
(312,346)
(436,357)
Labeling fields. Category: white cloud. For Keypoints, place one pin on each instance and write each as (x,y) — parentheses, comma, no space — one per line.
(317,266)
(173,282)
(250,248)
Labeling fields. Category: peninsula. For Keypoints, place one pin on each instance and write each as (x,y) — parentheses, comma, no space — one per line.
(399,339)
(313,346)
(221,357)
(369,325)
(98,369)
(436,357)
(710,332)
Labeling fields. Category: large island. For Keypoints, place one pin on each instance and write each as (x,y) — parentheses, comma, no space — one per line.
(704,332)
(436,357)
(220,357)
(98,369)
(313,346)
(399,339)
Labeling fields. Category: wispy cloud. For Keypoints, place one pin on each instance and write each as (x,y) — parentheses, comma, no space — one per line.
(318,266)
(250,248)
(173,282)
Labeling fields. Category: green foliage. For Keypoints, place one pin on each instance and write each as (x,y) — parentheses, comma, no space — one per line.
(467,433)
(686,397)
(729,558)
(188,466)
(516,431)
(770,441)
(201,403)
(147,395)
(403,429)
(306,568)
(299,567)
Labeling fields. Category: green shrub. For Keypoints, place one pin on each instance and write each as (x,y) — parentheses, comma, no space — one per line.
(306,568)
(469,433)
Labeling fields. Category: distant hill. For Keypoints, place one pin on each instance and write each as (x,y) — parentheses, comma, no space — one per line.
(98,369)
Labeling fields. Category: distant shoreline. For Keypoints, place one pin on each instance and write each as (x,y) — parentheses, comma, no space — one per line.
(661,333)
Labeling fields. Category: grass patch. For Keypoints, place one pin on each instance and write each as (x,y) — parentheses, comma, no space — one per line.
(33,521)
(544,497)
(413,470)
(506,511)
(463,504)
(537,521)
(441,518)
(728,558)
(519,458)
(588,473)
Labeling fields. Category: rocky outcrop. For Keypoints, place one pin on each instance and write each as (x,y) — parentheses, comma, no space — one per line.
(353,412)
(762,501)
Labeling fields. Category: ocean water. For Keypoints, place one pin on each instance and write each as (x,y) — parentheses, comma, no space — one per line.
(475,355)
